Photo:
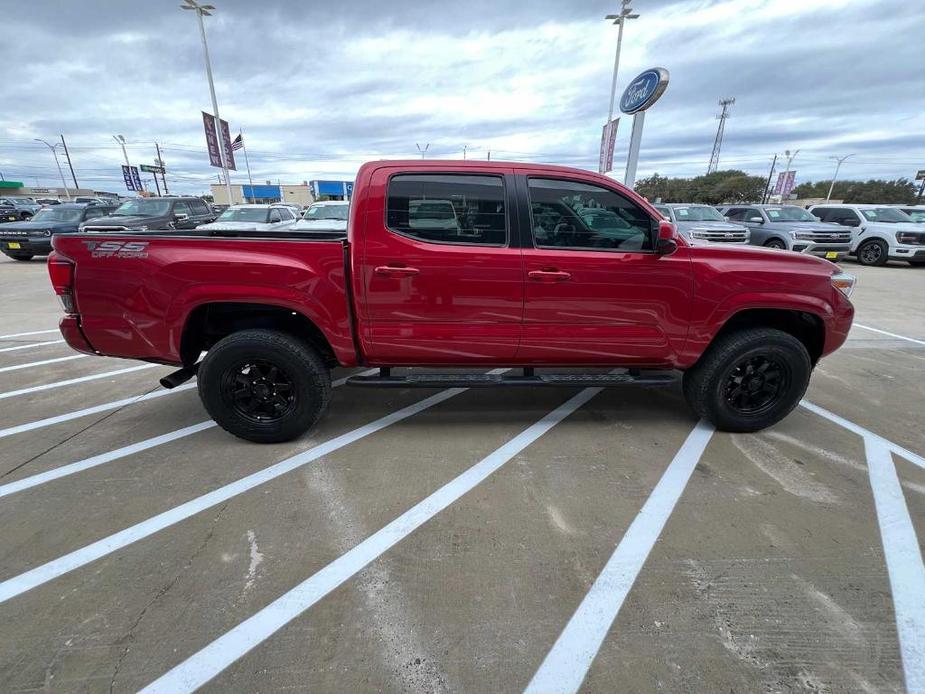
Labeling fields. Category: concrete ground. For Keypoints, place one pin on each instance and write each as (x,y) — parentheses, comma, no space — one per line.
(680,561)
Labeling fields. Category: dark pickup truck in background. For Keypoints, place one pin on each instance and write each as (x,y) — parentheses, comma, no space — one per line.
(141,214)
(510,265)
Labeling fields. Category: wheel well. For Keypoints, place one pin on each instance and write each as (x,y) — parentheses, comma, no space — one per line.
(209,323)
(806,327)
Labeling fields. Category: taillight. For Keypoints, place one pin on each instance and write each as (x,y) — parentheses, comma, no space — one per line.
(61,272)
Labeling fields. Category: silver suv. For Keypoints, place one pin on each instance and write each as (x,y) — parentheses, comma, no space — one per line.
(703,224)
(792,228)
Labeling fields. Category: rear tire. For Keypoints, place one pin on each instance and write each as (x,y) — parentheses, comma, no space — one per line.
(748,380)
(264,386)
(873,253)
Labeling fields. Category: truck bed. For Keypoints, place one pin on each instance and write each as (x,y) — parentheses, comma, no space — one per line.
(135,291)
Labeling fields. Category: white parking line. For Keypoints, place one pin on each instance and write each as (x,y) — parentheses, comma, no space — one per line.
(87,463)
(72,381)
(31,345)
(195,671)
(567,664)
(913,458)
(43,362)
(903,561)
(884,332)
(116,404)
(17,585)
(33,332)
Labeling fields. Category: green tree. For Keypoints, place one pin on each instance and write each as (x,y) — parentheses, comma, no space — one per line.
(720,186)
(874,191)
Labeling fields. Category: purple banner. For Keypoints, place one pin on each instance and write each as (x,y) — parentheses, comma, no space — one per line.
(608,143)
(208,123)
(785,181)
(127,175)
(226,143)
(136,179)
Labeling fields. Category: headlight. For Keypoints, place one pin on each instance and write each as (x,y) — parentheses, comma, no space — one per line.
(803,235)
(844,282)
(909,237)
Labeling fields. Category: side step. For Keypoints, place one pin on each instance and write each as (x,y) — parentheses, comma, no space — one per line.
(386,380)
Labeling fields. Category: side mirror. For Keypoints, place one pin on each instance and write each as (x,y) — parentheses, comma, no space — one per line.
(851,223)
(726,218)
(665,243)
(757,220)
(181,216)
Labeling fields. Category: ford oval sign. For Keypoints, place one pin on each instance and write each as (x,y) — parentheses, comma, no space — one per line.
(644,90)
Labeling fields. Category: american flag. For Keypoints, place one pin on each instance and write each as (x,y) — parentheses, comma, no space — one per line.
(238,142)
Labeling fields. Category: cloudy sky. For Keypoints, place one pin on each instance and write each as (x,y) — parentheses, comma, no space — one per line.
(320,87)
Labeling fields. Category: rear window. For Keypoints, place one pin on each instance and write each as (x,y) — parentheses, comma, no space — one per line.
(445,208)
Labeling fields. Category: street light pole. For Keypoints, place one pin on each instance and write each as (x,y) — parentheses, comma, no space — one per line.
(121,140)
(54,151)
(837,167)
(423,150)
(206,11)
(626,12)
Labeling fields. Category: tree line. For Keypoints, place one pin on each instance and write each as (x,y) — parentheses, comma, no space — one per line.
(737,186)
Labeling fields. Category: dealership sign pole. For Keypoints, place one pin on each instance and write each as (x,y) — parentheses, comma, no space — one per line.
(639,96)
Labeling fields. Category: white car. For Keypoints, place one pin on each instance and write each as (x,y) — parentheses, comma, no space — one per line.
(879,233)
(324,216)
(253,217)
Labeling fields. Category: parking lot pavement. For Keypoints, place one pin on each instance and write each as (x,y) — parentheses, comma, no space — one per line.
(462,540)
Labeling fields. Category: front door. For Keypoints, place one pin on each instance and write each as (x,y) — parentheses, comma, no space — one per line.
(443,281)
(596,291)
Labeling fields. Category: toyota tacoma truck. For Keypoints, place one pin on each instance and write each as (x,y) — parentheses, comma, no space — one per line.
(545,268)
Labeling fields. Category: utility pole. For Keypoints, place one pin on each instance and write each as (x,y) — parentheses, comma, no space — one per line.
(54,151)
(837,167)
(767,187)
(206,11)
(70,166)
(246,163)
(464,151)
(718,142)
(160,162)
(626,12)
(424,150)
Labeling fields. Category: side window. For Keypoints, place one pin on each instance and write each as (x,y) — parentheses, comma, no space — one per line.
(445,208)
(182,207)
(275,216)
(735,214)
(751,213)
(94,212)
(567,214)
(823,213)
(199,207)
(664,211)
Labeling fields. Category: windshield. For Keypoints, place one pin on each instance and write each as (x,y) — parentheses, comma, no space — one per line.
(143,208)
(327,212)
(887,215)
(244,214)
(698,213)
(789,213)
(56,214)
(916,215)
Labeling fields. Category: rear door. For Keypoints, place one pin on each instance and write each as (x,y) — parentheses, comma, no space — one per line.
(441,271)
(595,290)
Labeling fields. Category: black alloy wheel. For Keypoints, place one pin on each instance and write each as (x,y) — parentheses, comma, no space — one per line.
(259,391)
(756,384)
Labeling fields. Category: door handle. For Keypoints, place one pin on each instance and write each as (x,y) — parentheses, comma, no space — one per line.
(396,271)
(549,276)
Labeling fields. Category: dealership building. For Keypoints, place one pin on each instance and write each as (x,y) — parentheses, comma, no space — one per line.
(301,194)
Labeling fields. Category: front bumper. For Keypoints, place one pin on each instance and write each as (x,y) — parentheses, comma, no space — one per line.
(907,252)
(35,245)
(822,249)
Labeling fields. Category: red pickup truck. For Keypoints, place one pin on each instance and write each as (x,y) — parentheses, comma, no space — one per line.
(457,264)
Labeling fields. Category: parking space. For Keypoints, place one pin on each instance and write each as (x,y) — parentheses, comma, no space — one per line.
(462,540)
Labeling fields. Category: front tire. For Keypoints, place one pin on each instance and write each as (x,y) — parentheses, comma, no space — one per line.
(775,243)
(264,386)
(873,253)
(749,379)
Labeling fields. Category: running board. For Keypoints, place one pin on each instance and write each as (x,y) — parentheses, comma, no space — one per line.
(493,380)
